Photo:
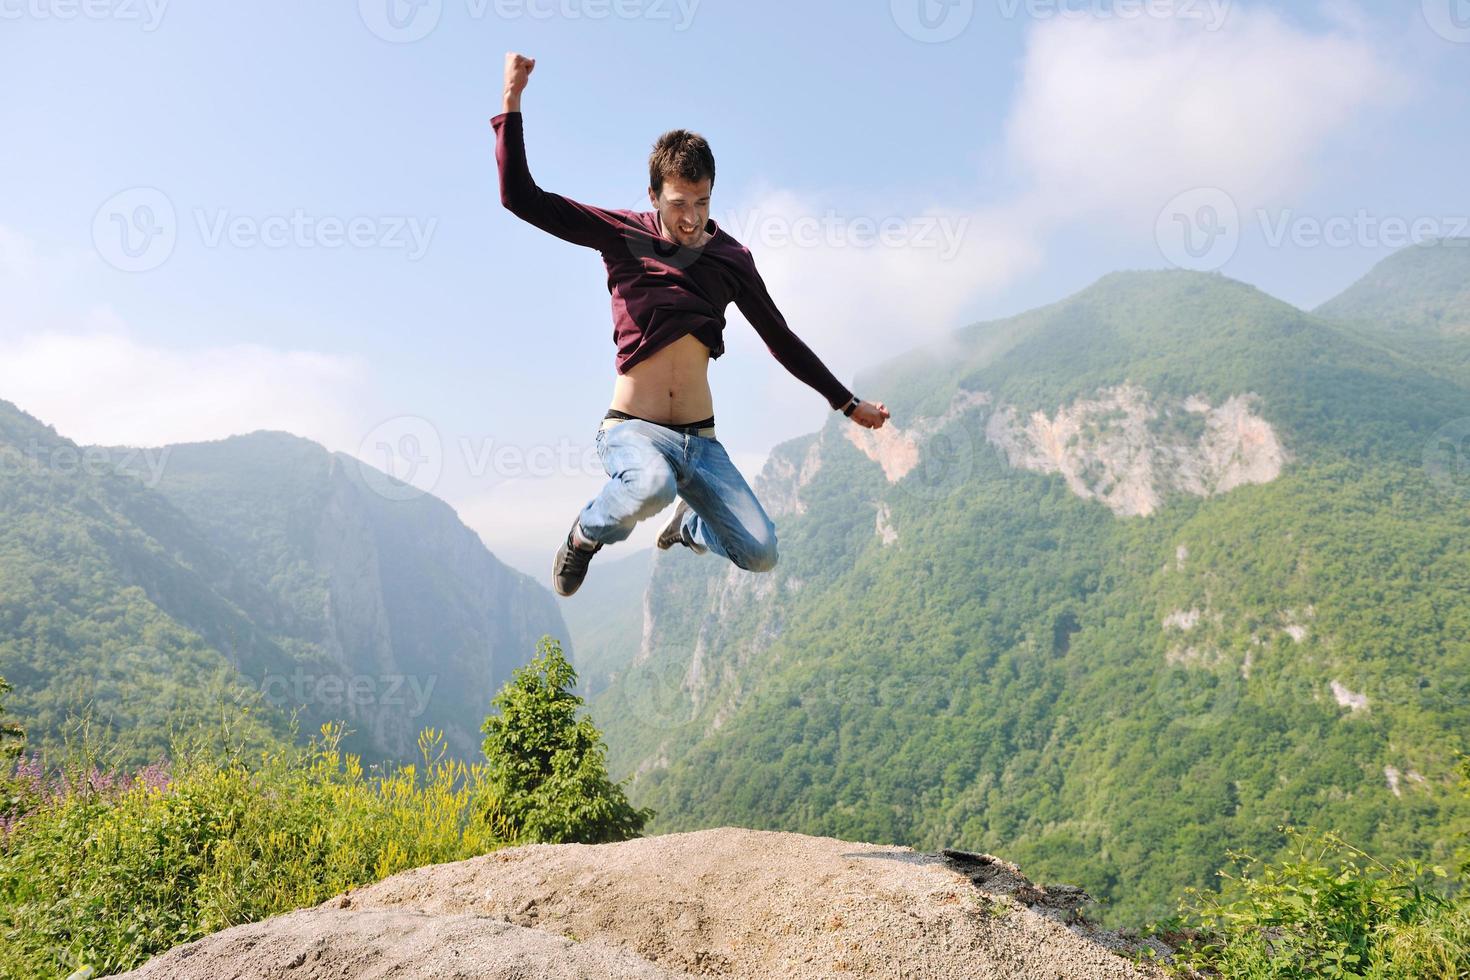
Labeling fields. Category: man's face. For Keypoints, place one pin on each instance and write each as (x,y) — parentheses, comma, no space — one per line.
(684,208)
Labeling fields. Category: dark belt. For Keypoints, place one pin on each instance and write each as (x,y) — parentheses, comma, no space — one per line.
(704,428)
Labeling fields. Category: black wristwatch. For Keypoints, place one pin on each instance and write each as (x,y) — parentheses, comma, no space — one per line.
(850,406)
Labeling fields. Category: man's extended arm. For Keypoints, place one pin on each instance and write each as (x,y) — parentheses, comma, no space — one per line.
(572,221)
(755,304)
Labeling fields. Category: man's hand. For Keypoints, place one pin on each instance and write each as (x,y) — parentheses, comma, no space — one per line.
(517,74)
(869,414)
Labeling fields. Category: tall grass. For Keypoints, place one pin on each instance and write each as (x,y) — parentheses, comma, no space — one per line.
(100,871)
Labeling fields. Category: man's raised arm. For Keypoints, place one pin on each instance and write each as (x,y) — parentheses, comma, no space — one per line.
(580,224)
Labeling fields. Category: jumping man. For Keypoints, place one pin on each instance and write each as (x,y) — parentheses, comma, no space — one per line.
(671,272)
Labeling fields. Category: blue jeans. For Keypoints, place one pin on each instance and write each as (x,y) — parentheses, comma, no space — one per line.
(649,464)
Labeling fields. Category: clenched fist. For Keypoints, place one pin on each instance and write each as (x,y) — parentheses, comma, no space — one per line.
(517,73)
(871,415)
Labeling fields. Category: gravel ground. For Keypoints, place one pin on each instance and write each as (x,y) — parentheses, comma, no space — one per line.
(727,902)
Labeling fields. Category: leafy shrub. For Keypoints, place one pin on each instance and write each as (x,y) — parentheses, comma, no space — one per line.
(547,767)
(1329,910)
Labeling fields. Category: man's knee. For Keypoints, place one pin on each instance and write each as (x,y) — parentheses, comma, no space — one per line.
(655,488)
(759,554)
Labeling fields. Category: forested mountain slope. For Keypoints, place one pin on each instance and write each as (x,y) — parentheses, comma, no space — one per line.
(1124,582)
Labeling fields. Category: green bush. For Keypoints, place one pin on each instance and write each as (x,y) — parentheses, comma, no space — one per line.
(1329,910)
(547,767)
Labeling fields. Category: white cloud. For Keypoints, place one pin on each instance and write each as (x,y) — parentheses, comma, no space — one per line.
(87,373)
(99,385)
(858,281)
(1114,115)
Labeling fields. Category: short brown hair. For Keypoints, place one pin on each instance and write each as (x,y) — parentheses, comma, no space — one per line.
(680,153)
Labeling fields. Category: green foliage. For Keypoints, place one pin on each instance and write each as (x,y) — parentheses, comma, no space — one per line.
(104,872)
(547,766)
(1329,910)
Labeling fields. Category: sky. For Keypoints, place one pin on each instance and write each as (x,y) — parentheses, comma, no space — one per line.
(218,218)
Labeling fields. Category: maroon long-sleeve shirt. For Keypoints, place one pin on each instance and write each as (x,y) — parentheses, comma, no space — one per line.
(660,290)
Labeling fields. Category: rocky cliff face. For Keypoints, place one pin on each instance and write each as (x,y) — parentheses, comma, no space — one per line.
(1124,447)
(1127,448)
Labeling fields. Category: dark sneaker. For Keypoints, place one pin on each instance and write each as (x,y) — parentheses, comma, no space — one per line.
(570,566)
(672,534)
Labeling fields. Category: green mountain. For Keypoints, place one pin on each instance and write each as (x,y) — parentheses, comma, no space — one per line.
(1423,289)
(107,604)
(147,584)
(1417,301)
(1123,582)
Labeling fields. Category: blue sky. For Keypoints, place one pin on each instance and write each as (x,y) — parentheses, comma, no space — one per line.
(1052,141)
